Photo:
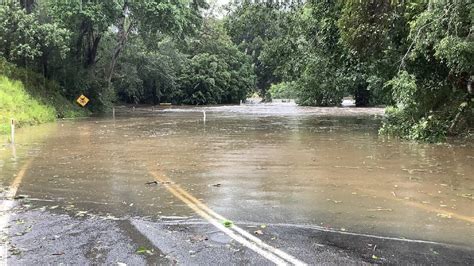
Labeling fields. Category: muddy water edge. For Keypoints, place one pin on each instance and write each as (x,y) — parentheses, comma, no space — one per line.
(268,164)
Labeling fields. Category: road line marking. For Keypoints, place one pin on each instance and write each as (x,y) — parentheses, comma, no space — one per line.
(425,207)
(17,181)
(224,229)
(275,255)
(7,205)
(280,253)
(323,229)
(445,212)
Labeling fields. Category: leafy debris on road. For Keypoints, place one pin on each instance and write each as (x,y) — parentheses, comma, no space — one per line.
(467,196)
(81,213)
(227,223)
(380,209)
(157,182)
(434,251)
(58,254)
(198,238)
(444,215)
(14,250)
(144,250)
(335,201)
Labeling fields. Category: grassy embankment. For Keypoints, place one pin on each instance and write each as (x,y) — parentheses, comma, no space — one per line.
(31,99)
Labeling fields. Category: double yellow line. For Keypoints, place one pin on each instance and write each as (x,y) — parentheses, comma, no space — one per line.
(248,240)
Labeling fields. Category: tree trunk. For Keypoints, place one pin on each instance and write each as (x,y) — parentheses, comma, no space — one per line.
(27,5)
(92,50)
(122,37)
(44,64)
(156,93)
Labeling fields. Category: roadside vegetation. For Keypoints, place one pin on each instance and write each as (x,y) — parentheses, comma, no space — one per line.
(15,102)
(31,99)
(416,57)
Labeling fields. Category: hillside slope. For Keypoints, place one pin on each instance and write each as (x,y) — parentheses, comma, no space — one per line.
(31,99)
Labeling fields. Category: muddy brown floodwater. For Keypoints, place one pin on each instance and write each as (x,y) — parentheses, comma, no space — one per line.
(268,164)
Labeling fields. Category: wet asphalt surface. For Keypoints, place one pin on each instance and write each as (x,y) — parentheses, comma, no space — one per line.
(61,238)
(84,198)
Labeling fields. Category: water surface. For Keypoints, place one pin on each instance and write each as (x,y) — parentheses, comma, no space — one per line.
(253,163)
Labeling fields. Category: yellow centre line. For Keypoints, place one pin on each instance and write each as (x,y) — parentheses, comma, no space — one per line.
(257,245)
(6,206)
(425,207)
(17,181)
(450,214)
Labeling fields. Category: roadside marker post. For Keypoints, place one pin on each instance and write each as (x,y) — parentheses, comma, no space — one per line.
(12,130)
(204,116)
(113,112)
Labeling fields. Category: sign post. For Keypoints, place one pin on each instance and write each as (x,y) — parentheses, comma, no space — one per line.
(12,130)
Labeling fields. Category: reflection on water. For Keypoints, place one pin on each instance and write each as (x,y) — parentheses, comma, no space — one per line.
(28,143)
(274,163)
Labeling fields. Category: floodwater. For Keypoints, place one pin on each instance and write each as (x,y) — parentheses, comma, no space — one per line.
(268,164)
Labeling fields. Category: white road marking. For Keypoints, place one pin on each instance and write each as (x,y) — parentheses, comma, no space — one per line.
(323,229)
(6,205)
(243,237)
(244,233)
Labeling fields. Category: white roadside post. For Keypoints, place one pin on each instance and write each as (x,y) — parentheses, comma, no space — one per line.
(113,112)
(12,130)
(204,116)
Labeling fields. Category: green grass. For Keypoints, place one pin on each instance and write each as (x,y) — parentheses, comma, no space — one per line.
(31,99)
(16,103)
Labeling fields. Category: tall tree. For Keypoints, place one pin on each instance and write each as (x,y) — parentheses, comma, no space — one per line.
(251,26)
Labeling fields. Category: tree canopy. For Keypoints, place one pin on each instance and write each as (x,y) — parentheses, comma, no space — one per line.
(416,57)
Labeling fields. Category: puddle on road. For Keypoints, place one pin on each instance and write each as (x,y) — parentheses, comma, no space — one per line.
(257,163)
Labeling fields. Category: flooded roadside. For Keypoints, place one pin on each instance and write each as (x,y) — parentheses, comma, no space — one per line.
(268,164)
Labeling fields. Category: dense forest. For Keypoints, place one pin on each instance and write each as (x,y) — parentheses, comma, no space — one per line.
(416,57)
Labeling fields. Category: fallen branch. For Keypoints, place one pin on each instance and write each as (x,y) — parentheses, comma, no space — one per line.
(457,118)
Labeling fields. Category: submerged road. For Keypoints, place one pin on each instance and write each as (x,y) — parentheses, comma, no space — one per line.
(251,184)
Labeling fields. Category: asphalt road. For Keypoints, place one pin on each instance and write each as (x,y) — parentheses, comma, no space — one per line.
(248,188)
(40,236)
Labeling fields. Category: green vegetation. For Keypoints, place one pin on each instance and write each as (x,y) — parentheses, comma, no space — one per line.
(15,102)
(283,90)
(416,57)
(30,99)
(217,72)
(413,56)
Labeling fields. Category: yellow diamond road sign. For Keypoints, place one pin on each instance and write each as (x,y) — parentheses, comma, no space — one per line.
(82,100)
